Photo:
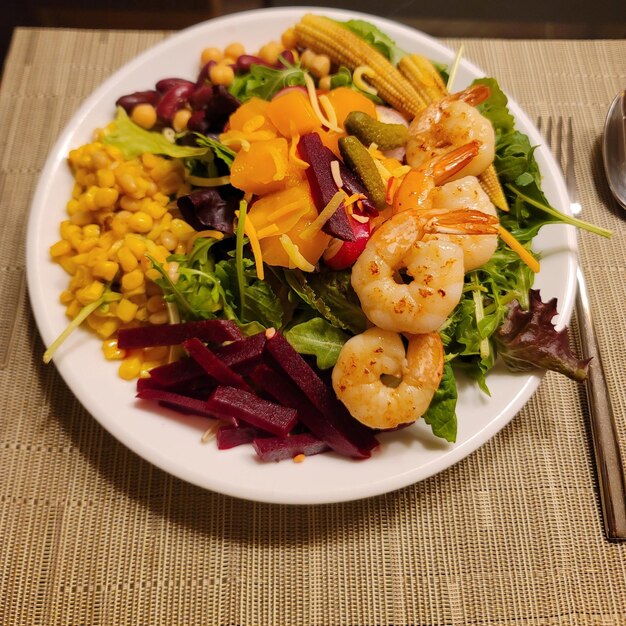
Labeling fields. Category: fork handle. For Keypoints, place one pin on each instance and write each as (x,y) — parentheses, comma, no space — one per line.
(605,442)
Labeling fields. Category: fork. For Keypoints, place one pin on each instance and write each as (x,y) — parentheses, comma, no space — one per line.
(608,459)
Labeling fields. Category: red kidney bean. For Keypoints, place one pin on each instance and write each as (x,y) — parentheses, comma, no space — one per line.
(197,122)
(131,100)
(172,100)
(203,76)
(165,84)
(201,97)
(246,60)
(287,56)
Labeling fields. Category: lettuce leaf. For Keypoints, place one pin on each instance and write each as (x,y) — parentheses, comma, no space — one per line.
(133,140)
(528,339)
(265,82)
(318,338)
(441,414)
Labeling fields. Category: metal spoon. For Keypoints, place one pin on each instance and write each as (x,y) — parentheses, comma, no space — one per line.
(614,147)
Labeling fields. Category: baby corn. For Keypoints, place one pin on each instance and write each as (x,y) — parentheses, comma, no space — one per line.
(325,36)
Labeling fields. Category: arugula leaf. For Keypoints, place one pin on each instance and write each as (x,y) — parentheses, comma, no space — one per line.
(133,140)
(330,294)
(318,338)
(441,414)
(265,82)
(376,38)
(219,149)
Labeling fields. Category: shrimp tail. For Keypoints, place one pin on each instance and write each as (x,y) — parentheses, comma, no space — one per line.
(473,95)
(461,222)
(454,161)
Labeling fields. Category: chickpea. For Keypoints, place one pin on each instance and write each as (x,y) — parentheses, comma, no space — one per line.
(234,50)
(181,117)
(320,66)
(270,51)
(211,54)
(288,38)
(144,115)
(222,75)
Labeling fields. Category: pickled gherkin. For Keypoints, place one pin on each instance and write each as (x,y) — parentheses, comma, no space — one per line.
(369,131)
(360,161)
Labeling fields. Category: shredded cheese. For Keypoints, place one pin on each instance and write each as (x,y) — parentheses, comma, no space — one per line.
(385,174)
(363,219)
(201,181)
(517,247)
(210,432)
(279,164)
(293,252)
(329,109)
(215,234)
(335,171)
(390,193)
(293,154)
(349,201)
(325,214)
(267,231)
(310,87)
(357,79)
(249,230)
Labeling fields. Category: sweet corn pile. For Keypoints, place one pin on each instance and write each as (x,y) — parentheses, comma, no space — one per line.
(119,213)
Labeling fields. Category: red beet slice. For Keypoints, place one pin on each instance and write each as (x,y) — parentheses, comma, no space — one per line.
(213,366)
(286,392)
(322,184)
(176,373)
(176,401)
(232,436)
(243,355)
(360,438)
(230,402)
(214,331)
(280,449)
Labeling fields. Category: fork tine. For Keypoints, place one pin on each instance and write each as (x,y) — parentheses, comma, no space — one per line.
(549,132)
(559,141)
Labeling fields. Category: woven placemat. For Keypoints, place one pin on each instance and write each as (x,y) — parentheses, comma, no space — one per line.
(92,534)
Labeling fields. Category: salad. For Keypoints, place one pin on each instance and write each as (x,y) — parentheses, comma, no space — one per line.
(227,213)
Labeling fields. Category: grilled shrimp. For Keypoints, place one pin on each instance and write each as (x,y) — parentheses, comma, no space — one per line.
(407,283)
(449,123)
(467,193)
(382,385)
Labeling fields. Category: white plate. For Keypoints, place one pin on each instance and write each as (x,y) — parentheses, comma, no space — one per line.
(173,443)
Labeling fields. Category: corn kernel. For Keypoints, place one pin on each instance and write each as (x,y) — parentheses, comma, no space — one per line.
(161,198)
(132,280)
(106,270)
(170,183)
(127,259)
(73,205)
(141,222)
(106,197)
(90,293)
(86,245)
(91,230)
(67,229)
(66,297)
(150,160)
(60,248)
(168,240)
(126,310)
(130,204)
(136,245)
(142,314)
(181,229)
(81,218)
(130,368)
(111,351)
(105,178)
(67,264)
(155,210)
(73,309)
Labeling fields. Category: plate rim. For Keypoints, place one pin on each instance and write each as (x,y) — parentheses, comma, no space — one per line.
(156,456)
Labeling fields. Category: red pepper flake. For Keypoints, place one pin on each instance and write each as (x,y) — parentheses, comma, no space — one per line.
(389,195)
